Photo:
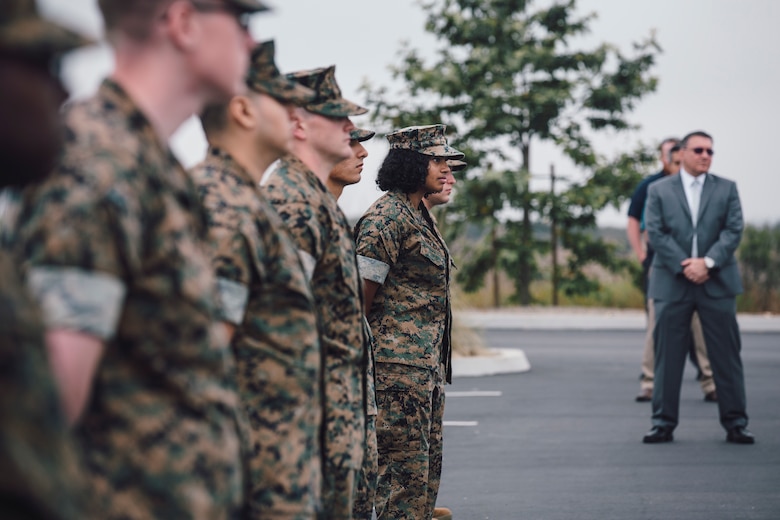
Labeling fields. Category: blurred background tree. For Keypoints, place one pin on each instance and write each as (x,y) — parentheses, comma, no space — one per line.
(505,78)
(759,258)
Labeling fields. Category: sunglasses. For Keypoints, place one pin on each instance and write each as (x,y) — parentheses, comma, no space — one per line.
(242,17)
(699,150)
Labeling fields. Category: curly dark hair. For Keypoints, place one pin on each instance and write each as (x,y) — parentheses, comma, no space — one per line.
(403,170)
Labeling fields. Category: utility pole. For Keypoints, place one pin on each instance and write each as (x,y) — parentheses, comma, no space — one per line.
(494,246)
(553,237)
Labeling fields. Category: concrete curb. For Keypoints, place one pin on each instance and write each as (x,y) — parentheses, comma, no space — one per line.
(500,361)
(588,319)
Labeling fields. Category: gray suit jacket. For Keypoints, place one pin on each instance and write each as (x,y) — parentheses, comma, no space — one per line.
(670,231)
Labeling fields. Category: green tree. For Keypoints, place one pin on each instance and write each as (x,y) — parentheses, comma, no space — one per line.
(759,258)
(506,77)
(611,183)
(470,223)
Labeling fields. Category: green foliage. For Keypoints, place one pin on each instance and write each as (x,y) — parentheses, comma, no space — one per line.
(505,77)
(619,293)
(575,210)
(518,254)
(482,260)
(759,257)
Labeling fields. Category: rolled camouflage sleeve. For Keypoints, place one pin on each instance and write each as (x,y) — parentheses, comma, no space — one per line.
(81,244)
(233,298)
(372,270)
(232,263)
(231,251)
(309,264)
(78,300)
(377,249)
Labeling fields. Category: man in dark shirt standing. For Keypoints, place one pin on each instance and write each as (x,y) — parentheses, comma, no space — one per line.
(636,209)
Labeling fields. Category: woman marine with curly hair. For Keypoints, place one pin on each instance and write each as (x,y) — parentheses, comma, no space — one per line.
(405,265)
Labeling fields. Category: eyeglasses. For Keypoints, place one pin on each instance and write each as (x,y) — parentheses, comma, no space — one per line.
(242,17)
(699,150)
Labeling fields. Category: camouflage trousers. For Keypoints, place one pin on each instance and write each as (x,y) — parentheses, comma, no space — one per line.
(366,492)
(409,441)
(436,453)
(340,487)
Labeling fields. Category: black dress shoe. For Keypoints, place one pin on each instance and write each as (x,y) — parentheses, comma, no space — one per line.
(658,434)
(645,396)
(740,435)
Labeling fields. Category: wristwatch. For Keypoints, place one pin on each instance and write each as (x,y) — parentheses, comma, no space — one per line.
(709,262)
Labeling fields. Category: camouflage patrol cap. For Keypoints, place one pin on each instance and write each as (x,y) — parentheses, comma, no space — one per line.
(328,101)
(361,134)
(457,165)
(427,140)
(24,31)
(264,77)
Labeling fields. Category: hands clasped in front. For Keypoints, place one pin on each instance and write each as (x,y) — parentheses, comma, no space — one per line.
(695,270)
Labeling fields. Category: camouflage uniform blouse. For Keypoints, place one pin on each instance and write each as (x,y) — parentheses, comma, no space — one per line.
(322,234)
(115,243)
(264,292)
(39,466)
(400,248)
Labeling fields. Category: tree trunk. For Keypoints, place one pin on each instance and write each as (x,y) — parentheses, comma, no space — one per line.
(494,246)
(553,238)
(525,265)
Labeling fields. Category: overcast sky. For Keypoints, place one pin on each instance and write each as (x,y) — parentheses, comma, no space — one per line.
(717,73)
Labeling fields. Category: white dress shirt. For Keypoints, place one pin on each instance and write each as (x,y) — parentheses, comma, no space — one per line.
(692,187)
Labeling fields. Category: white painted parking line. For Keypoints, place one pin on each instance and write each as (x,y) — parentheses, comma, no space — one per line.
(461,423)
(474,393)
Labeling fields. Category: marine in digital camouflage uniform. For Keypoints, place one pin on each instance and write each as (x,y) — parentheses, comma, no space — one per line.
(40,476)
(443,197)
(349,171)
(432,200)
(405,265)
(344,174)
(264,294)
(365,495)
(323,237)
(36,453)
(116,255)
(457,165)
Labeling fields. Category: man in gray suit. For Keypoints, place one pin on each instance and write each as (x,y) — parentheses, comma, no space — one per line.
(694,223)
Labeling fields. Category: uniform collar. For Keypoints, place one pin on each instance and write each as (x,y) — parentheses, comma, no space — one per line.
(297,168)
(217,156)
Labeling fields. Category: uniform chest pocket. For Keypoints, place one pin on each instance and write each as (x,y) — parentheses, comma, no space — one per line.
(435,255)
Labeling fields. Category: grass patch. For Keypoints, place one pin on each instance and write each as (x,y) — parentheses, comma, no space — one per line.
(617,291)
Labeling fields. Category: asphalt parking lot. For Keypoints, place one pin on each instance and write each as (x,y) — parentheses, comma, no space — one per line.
(563,440)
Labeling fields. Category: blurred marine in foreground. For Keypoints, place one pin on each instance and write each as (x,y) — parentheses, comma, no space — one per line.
(39,477)
(116,256)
